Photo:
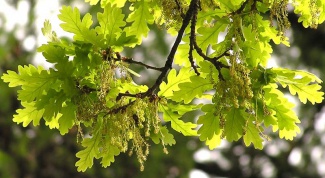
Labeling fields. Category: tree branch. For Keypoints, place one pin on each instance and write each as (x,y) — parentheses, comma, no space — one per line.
(131,61)
(170,58)
(165,69)
(191,16)
(193,44)
(192,38)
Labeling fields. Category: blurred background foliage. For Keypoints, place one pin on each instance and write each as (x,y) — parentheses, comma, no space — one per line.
(40,152)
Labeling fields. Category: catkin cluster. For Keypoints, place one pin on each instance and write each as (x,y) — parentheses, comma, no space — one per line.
(279,13)
(172,12)
(128,123)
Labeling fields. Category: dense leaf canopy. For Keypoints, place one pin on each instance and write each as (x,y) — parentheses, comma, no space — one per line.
(221,49)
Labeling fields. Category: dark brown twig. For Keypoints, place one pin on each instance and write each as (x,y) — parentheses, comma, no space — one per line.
(119,109)
(205,57)
(170,58)
(192,38)
(165,69)
(190,16)
(131,61)
(180,9)
(193,44)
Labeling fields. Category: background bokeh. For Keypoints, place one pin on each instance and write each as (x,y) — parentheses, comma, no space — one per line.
(40,152)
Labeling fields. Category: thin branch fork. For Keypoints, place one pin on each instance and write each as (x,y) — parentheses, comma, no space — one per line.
(170,58)
(194,45)
(190,16)
(168,63)
(132,61)
(192,38)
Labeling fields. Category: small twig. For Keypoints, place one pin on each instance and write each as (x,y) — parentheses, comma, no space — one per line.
(194,44)
(192,38)
(253,6)
(213,60)
(180,8)
(170,58)
(120,95)
(164,70)
(205,57)
(119,109)
(131,61)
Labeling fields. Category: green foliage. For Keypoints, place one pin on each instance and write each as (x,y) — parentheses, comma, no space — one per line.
(167,89)
(90,85)
(172,114)
(192,89)
(301,83)
(311,12)
(79,27)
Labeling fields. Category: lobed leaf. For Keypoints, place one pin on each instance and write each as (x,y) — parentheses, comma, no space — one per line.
(47,32)
(73,24)
(67,120)
(87,155)
(186,128)
(301,83)
(210,123)
(283,112)
(234,123)
(91,151)
(311,13)
(164,135)
(28,114)
(108,153)
(110,23)
(173,80)
(139,18)
(252,135)
(34,81)
(209,35)
(193,89)
(214,141)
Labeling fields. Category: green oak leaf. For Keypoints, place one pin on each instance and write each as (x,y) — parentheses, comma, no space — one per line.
(28,114)
(73,24)
(139,18)
(48,33)
(91,151)
(108,153)
(173,80)
(111,22)
(186,128)
(234,123)
(193,89)
(304,84)
(210,123)
(209,35)
(67,120)
(252,135)
(164,136)
(283,109)
(214,141)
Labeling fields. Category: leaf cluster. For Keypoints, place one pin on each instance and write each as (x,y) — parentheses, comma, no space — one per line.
(221,48)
